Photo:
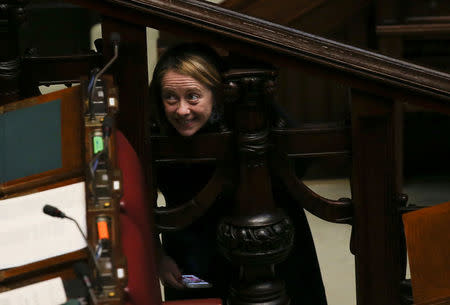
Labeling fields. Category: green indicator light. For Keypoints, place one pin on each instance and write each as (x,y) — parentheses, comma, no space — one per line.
(98,144)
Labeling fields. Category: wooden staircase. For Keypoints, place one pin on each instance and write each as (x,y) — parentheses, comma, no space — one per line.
(377,88)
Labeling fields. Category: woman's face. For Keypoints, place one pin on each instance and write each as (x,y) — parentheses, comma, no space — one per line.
(187,102)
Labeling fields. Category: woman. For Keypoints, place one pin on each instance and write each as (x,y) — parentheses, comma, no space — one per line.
(187,86)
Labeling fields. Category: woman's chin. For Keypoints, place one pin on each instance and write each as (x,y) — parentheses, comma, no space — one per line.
(187,132)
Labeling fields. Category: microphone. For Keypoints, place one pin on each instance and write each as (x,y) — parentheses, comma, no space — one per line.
(55,212)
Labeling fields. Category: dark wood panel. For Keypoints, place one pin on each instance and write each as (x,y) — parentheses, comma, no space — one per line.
(426,8)
(308,99)
(51,70)
(390,12)
(375,184)
(302,15)
(336,13)
(313,142)
(272,10)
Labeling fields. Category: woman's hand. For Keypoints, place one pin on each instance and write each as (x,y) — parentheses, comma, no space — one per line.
(169,273)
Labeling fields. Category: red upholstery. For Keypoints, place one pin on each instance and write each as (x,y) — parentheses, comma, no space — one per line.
(136,233)
(141,287)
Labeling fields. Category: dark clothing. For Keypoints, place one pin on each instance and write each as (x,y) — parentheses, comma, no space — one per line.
(194,249)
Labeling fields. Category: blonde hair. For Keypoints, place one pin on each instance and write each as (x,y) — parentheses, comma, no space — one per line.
(194,66)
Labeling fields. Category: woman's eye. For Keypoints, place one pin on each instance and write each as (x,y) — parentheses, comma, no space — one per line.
(170,102)
(170,99)
(193,97)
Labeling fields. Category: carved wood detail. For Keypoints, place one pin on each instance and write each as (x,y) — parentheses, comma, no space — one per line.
(12,16)
(258,234)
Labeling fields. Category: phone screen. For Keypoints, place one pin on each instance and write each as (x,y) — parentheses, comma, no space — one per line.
(191,281)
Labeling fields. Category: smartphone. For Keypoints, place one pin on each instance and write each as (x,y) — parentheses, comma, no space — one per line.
(191,281)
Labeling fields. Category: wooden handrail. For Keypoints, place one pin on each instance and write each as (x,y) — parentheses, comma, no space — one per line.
(276,39)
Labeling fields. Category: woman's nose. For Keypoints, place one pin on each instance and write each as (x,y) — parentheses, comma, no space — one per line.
(183,109)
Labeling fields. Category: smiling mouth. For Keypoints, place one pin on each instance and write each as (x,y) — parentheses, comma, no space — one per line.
(186,122)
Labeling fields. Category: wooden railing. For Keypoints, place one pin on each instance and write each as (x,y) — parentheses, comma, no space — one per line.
(379,88)
(235,31)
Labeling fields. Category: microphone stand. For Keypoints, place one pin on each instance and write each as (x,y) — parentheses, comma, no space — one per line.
(97,266)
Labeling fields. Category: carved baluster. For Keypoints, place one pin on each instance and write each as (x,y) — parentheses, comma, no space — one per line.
(12,15)
(259,235)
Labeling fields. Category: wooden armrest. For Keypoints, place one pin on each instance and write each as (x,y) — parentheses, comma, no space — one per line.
(195,302)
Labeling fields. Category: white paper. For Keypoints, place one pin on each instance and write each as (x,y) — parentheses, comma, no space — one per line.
(28,235)
(50,292)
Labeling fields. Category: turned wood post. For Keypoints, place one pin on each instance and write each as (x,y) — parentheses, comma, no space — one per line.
(258,235)
(12,15)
